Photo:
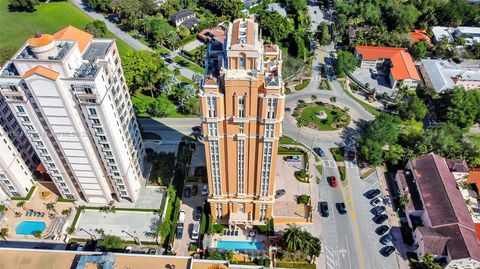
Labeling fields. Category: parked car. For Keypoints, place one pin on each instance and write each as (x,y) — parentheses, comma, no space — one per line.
(181,216)
(81,247)
(372,193)
(198,213)
(323,209)
(376,202)
(332,181)
(195,231)
(205,190)
(379,219)
(152,251)
(194,190)
(386,239)
(381,229)
(128,249)
(169,60)
(280,193)
(319,151)
(186,192)
(179,231)
(292,158)
(386,251)
(352,154)
(378,210)
(342,209)
(197,128)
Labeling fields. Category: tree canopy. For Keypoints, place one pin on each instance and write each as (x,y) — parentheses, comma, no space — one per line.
(110,242)
(97,28)
(274,26)
(230,8)
(345,63)
(323,34)
(23,5)
(143,70)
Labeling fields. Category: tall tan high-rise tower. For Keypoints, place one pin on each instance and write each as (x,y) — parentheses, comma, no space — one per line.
(242,108)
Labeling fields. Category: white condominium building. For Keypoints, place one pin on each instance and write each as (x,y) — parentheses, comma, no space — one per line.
(15,176)
(68,93)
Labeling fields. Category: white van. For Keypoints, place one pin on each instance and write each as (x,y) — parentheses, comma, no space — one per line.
(181,217)
(195,231)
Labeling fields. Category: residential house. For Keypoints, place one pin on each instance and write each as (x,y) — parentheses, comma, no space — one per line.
(418,35)
(402,67)
(216,33)
(442,33)
(352,32)
(278,8)
(471,34)
(437,212)
(447,74)
(185,18)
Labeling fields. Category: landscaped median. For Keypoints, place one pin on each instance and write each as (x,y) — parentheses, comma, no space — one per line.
(321,116)
(26,198)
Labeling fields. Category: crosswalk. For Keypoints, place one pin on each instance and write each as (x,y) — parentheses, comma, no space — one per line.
(351,165)
(316,78)
(329,163)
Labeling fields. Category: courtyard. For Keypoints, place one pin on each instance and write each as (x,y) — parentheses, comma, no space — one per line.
(322,116)
(126,224)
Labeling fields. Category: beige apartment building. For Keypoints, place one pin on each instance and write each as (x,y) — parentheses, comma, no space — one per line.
(242,108)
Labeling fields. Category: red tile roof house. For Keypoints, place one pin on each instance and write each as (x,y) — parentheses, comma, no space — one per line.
(402,67)
(437,213)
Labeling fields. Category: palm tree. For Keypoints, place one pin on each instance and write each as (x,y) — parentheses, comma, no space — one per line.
(314,97)
(404,200)
(293,238)
(4,233)
(176,71)
(428,261)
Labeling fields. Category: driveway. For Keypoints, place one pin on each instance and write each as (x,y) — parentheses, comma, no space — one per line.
(381,83)
(192,45)
(188,205)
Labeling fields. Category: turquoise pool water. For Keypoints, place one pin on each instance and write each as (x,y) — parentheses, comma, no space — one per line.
(239,245)
(30,227)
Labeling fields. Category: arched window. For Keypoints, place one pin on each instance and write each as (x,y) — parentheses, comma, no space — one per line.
(243,61)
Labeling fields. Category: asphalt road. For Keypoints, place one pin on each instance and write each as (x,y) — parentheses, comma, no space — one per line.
(170,129)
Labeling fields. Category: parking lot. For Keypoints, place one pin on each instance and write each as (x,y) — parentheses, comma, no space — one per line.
(180,246)
(381,83)
(286,205)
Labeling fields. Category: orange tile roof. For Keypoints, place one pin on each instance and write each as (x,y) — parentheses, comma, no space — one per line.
(42,71)
(418,35)
(72,33)
(474,176)
(40,40)
(403,66)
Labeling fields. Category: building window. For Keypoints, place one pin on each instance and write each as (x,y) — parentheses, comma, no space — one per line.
(215,164)
(241,106)
(212,106)
(212,128)
(219,211)
(241,166)
(20,109)
(266,167)
(241,126)
(241,207)
(92,111)
(242,61)
(271,107)
(269,130)
(263,212)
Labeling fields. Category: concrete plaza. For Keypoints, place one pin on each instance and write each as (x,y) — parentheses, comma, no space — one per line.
(125,224)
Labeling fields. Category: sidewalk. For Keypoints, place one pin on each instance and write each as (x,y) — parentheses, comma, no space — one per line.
(393,219)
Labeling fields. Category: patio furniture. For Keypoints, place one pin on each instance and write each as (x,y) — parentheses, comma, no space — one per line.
(42,214)
(236,232)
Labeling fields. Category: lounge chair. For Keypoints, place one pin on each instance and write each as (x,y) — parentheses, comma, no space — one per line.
(236,232)
(224,232)
(28,213)
(228,232)
(42,214)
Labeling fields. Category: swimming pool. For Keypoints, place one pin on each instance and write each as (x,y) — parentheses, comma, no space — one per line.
(239,245)
(30,227)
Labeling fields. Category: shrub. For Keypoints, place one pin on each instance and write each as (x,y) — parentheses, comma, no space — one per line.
(303,199)
(218,228)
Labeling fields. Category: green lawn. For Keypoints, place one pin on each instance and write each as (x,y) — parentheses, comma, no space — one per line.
(374,111)
(190,65)
(17,27)
(139,97)
(309,116)
(287,140)
(302,85)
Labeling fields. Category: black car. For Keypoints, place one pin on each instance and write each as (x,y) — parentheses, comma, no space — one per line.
(169,60)
(386,239)
(323,206)
(372,193)
(319,151)
(194,190)
(198,213)
(381,229)
(187,192)
(342,209)
(280,193)
(378,210)
(379,219)
(179,231)
(386,251)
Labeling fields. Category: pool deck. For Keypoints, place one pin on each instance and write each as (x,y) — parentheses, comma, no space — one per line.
(36,203)
(259,238)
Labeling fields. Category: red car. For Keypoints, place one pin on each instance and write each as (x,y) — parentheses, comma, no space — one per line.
(197,128)
(332,181)
(352,154)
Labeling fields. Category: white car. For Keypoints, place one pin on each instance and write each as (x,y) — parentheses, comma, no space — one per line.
(181,217)
(205,190)
(375,202)
(195,231)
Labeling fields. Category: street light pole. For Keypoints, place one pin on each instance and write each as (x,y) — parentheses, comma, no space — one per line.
(91,235)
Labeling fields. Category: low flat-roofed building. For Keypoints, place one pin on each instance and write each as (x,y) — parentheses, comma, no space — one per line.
(440,32)
(446,74)
(58,259)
